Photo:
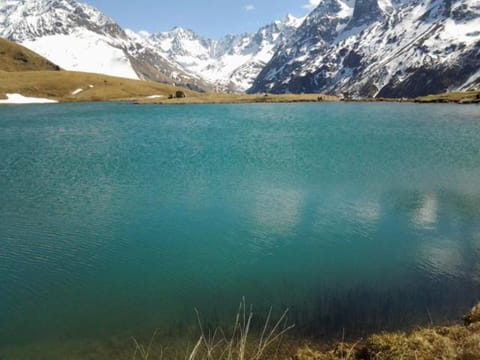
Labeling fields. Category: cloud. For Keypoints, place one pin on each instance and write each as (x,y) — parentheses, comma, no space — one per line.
(312,4)
(249,7)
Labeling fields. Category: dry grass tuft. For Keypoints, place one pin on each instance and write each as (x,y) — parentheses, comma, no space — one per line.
(241,343)
(441,343)
(473,316)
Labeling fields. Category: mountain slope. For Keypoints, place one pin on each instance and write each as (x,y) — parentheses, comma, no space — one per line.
(73,86)
(24,73)
(230,63)
(14,57)
(387,48)
(73,35)
(78,37)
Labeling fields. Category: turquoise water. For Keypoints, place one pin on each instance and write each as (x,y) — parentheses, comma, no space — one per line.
(118,219)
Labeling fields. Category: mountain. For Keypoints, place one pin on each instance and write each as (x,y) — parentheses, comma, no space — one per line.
(231,63)
(78,37)
(384,48)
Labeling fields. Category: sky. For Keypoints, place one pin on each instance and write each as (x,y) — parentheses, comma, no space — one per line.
(212,18)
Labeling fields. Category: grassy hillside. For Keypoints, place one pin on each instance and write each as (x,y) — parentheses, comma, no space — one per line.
(14,57)
(27,73)
(65,86)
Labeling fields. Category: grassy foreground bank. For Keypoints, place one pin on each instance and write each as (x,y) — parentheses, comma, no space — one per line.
(461,342)
(273,341)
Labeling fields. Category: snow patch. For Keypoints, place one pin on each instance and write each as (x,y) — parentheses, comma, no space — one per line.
(78,91)
(84,51)
(20,99)
(385,5)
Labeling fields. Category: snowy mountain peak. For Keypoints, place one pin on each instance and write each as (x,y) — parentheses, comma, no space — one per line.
(22,20)
(290,20)
(181,32)
(365,13)
(232,62)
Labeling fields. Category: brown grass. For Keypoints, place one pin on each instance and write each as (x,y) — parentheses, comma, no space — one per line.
(436,343)
(239,344)
(14,57)
(452,97)
(59,85)
(29,74)
(457,342)
(220,98)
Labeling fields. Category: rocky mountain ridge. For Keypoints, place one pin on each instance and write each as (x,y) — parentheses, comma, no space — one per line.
(383,48)
(232,62)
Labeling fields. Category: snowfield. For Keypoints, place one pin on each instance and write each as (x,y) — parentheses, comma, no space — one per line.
(20,99)
(83,51)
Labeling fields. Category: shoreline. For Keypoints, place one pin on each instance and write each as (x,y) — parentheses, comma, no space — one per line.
(460,340)
(76,87)
(470,97)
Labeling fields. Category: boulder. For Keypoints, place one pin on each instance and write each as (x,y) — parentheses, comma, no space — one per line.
(473,316)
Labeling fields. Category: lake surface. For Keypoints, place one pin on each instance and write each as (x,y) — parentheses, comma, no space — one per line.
(119,219)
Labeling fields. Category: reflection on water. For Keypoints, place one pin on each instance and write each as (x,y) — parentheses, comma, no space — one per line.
(116,220)
(277,210)
(425,216)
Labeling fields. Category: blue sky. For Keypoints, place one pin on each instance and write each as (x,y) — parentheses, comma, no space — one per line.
(212,18)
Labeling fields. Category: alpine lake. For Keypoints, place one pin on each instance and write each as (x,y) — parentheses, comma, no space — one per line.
(117,220)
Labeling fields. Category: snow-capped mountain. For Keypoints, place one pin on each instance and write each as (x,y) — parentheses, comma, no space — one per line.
(389,48)
(230,63)
(78,37)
